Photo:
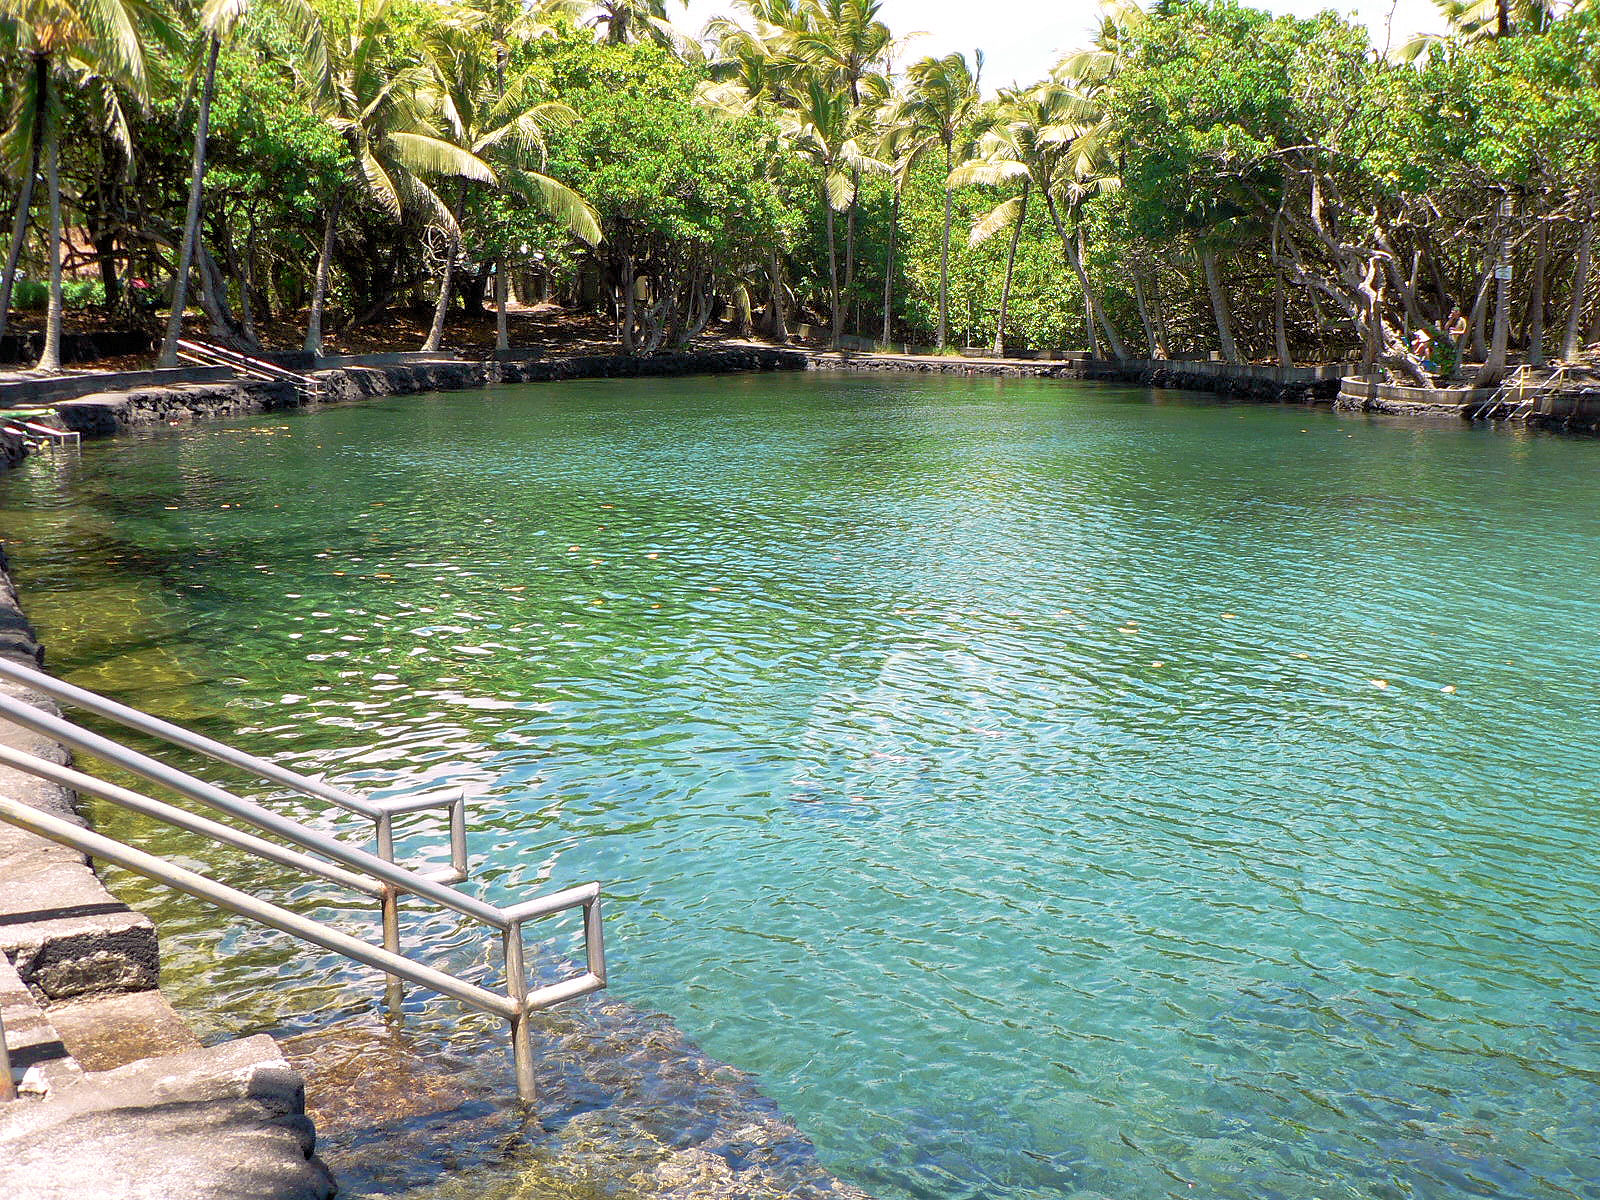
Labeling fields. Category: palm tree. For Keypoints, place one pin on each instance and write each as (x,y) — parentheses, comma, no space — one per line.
(848,47)
(380,111)
(1048,143)
(940,110)
(219,19)
(24,142)
(1000,141)
(99,43)
(820,126)
(623,21)
(495,122)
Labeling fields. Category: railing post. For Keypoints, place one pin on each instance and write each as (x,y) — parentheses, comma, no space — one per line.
(594,940)
(458,835)
(521,1036)
(8,1089)
(394,993)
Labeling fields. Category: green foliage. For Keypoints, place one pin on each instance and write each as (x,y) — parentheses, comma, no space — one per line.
(666,175)
(31,295)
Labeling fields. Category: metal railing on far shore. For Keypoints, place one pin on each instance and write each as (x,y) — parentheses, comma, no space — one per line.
(373,874)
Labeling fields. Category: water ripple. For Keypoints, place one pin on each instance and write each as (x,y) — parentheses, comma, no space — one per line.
(1042,791)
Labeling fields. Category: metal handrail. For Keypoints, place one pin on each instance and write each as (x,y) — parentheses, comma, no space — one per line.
(8,1087)
(361,871)
(380,812)
(105,849)
(403,879)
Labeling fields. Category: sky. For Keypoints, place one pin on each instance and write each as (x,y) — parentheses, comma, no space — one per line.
(1021,39)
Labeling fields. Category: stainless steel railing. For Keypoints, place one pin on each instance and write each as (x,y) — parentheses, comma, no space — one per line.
(374,875)
(8,1089)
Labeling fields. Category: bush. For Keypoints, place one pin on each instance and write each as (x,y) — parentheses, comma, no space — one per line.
(33,295)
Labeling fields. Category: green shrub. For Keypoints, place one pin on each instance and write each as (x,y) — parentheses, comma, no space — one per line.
(32,295)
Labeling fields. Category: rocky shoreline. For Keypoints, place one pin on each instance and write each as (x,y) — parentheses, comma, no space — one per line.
(105,413)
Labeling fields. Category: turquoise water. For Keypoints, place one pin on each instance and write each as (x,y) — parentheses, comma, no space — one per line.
(1044,789)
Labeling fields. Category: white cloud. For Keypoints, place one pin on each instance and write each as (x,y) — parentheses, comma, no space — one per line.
(1021,39)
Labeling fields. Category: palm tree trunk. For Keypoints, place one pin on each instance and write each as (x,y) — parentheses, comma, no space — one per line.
(319,286)
(1219,306)
(777,326)
(1011,262)
(850,237)
(1580,290)
(19,227)
(1074,256)
(944,261)
(191,219)
(50,356)
(833,268)
(888,271)
(502,331)
(441,307)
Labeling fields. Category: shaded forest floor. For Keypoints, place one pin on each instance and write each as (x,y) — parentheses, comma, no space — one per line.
(545,327)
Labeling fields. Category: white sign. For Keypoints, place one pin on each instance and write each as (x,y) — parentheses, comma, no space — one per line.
(1503,273)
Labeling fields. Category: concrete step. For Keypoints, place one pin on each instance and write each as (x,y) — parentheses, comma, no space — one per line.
(217,1123)
(105,1032)
(64,933)
(40,1060)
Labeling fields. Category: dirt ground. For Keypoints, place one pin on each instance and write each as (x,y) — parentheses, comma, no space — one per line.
(545,327)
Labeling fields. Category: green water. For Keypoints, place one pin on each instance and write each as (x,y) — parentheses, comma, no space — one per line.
(1043,788)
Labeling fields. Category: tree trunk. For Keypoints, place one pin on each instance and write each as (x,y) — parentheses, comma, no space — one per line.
(1580,289)
(850,241)
(441,307)
(1480,316)
(1494,363)
(105,253)
(1151,339)
(477,287)
(888,272)
(191,219)
(19,227)
(1280,333)
(944,261)
(1011,262)
(1074,255)
(833,270)
(319,287)
(502,329)
(777,325)
(1536,300)
(1219,306)
(50,356)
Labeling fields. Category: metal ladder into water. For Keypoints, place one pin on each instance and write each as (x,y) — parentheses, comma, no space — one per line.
(209,354)
(35,433)
(1501,405)
(375,875)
